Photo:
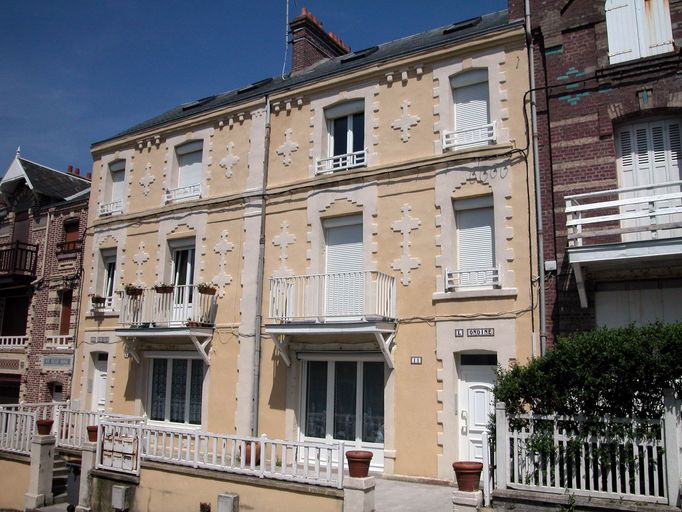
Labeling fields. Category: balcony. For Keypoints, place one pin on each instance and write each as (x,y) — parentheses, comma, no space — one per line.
(13,342)
(59,343)
(183,306)
(470,137)
(347,303)
(479,278)
(110,208)
(341,162)
(187,192)
(72,247)
(18,262)
(626,228)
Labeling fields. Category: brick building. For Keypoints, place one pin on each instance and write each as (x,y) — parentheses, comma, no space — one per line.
(608,92)
(42,221)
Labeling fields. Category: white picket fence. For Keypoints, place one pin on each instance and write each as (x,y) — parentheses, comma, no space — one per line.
(71,426)
(16,430)
(123,445)
(645,469)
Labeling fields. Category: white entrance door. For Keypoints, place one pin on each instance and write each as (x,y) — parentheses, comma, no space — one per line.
(475,405)
(99,382)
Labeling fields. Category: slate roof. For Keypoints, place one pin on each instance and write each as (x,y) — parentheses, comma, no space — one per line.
(459,31)
(52,183)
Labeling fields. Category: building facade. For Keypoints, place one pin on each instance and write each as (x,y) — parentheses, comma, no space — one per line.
(608,119)
(43,222)
(365,225)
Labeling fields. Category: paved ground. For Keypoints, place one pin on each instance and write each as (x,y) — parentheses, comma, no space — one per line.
(399,496)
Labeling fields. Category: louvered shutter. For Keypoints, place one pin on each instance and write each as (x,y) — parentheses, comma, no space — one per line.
(657,27)
(117,171)
(190,169)
(344,270)
(475,239)
(471,106)
(621,26)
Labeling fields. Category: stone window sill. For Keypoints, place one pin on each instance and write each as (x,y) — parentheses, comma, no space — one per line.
(491,293)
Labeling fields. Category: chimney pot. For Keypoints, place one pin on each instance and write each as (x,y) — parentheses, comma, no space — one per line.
(69,169)
(88,176)
(78,171)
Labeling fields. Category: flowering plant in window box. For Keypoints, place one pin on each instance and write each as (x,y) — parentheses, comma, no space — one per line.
(164,288)
(133,290)
(206,288)
(97,300)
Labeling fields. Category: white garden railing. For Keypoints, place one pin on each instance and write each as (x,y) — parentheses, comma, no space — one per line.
(109,208)
(16,430)
(175,309)
(469,137)
(59,342)
(593,465)
(71,428)
(342,162)
(185,192)
(347,296)
(472,278)
(13,341)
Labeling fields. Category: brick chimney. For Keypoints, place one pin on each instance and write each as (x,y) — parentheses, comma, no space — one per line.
(310,43)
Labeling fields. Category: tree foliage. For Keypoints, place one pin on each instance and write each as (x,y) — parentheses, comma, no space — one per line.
(602,373)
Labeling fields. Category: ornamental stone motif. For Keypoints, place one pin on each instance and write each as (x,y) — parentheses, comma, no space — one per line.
(405,121)
(405,263)
(288,147)
(222,278)
(229,161)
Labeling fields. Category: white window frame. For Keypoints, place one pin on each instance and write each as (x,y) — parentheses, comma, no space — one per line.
(472,136)
(113,204)
(191,190)
(350,159)
(170,356)
(331,359)
(628,29)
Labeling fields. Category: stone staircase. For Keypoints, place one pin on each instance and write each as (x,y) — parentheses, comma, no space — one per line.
(59,476)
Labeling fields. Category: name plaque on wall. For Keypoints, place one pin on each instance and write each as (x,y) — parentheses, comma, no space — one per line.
(475,333)
(57,361)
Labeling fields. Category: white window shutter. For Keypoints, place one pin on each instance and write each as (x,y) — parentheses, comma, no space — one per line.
(190,169)
(117,185)
(475,239)
(344,292)
(657,27)
(621,26)
(471,106)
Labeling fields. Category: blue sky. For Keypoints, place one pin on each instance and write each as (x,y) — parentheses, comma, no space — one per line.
(78,71)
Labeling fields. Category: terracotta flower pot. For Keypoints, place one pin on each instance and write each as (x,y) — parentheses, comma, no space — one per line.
(44,427)
(92,433)
(468,474)
(249,450)
(358,463)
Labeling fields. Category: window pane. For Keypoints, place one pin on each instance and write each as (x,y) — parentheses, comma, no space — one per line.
(340,132)
(195,389)
(158,405)
(178,390)
(358,131)
(345,383)
(373,402)
(316,399)
(109,279)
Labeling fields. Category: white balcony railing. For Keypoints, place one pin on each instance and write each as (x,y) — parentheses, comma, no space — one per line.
(109,208)
(109,304)
(13,341)
(59,342)
(481,277)
(470,137)
(341,162)
(625,215)
(348,296)
(175,194)
(183,306)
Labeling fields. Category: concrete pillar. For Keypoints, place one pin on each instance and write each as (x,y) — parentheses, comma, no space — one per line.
(467,501)
(228,502)
(40,473)
(358,494)
(88,454)
(501,446)
(673,451)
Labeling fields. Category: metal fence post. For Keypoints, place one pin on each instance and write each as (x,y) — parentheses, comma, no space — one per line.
(672,427)
(501,446)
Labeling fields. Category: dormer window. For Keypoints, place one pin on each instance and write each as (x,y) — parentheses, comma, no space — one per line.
(113,202)
(189,170)
(345,137)
(471,103)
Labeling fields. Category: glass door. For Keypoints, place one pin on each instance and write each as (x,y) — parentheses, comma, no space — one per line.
(183,280)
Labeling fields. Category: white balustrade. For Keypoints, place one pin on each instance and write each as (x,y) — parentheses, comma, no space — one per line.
(16,430)
(341,162)
(482,277)
(186,192)
(182,306)
(109,208)
(71,429)
(350,296)
(470,137)
(13,341)
(59,342)
(625,214)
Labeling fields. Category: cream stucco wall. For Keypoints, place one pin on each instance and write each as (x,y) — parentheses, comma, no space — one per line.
(15,475)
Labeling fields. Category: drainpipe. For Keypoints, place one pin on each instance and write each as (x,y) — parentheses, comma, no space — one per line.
(538,194)
(259,278)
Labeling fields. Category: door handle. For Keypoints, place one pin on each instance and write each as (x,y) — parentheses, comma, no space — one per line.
(465,421)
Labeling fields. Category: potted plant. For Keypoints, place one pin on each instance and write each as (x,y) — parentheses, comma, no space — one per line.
(133,290)
(206,288)
(251,449)
(164,288)
(92,433)
(358,463)
(44,427)
(468,474)
(97,300)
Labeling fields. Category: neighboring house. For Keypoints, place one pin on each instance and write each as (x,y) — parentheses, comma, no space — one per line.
(609,120)
(365,222)
(44,214)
